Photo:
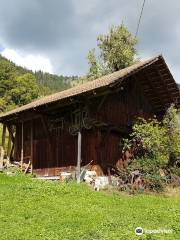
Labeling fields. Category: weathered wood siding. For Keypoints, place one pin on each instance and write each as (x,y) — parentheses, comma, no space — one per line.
(59,149)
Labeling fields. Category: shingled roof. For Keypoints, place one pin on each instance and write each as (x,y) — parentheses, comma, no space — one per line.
(91,86)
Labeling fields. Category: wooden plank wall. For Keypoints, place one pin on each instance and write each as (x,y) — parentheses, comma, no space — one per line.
(126,105)
(97,144)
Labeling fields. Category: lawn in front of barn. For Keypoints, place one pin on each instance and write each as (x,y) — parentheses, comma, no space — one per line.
(34,209)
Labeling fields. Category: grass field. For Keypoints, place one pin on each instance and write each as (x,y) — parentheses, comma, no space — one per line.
(33,209)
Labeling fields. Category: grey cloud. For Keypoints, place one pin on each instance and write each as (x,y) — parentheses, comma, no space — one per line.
(64,30)
(36,24)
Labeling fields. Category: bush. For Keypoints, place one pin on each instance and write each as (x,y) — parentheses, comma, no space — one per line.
(156,182)
(149,174)
(155,145)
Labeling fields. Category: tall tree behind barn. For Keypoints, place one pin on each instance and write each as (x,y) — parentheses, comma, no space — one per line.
(46,131)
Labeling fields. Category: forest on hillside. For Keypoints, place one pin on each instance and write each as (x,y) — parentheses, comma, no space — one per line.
(19,86)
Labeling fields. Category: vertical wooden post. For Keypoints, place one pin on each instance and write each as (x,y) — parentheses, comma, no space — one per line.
(32,146)
(79,158)
(10,142)
(9,149)
(3,145)
(13,154)
(22,144)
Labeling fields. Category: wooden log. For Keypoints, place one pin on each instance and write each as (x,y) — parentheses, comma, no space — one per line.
(79,158)
(22,144)
(2,146)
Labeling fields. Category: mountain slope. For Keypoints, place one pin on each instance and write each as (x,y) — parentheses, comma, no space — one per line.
(51,82)
(19,85)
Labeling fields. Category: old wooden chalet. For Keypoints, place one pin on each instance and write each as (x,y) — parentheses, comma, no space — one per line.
(86,123)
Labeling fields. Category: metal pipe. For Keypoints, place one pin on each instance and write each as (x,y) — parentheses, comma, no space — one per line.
(22,144)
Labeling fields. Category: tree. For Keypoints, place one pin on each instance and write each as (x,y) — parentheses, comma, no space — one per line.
(25,89)
(117,50)
(51,83)
(93,65)
(7,75)
(18,85)
(157,139)
(150,138)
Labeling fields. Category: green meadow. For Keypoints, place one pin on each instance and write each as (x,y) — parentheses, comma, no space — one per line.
(35,209)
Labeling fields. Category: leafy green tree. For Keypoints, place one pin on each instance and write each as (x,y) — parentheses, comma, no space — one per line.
(117,50)
(158,139)
(25,89)
(3,104)
(149,136)
(7,75)
(94,66)
(18,85)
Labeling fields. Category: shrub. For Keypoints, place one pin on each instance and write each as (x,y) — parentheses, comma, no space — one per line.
(156,145)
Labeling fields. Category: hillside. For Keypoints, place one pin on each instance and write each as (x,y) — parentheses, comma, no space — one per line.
(52,82)
(19,85)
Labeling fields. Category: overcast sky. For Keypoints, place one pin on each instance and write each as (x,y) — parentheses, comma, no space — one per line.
(55,35)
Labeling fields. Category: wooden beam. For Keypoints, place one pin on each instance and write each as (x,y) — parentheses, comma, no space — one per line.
(165,86)
(9,148)
(9,127)
(149,93)
(11,140)
(172,93)
(3,135)
(12,152)
(27,167)
(79,158)
(2,146)
(154,90)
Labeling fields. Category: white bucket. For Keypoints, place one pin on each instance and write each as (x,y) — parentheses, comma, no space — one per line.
(65,176)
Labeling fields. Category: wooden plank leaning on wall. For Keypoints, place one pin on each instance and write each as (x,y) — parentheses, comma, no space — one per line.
(2,146)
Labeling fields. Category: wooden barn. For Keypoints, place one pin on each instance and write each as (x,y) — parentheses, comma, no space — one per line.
(87,122)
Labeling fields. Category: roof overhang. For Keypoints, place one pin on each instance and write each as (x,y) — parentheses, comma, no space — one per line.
(157,81)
